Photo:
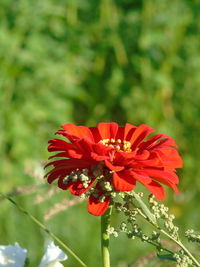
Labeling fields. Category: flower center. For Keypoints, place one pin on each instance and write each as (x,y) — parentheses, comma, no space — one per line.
(119,145)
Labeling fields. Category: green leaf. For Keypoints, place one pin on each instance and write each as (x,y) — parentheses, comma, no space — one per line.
(145,209)
(166,257)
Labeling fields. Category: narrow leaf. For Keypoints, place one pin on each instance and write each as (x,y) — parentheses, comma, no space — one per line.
(144,208)
(166,257)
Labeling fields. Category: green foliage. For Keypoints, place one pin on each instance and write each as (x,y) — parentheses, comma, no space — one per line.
(91,61)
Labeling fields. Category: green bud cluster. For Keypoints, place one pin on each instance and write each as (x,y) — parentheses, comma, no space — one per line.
(81,175)
(90,191)
(106,186)
(182,260)
(136,229)
(97,171)
(112,231)
(123,208)
(122,194)
(155,236)
(94,192)
(85,179)
(118,206)
(161,212)
(123,227)
(132,216)
(83,196)
(113,194)
(73,176)
(102,198)
(137,232)
(191,236)
(130,227)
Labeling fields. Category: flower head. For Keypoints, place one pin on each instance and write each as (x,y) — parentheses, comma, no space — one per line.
(12,256)
(101,161)
(53,256)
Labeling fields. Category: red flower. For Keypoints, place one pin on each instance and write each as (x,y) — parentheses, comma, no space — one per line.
(100,161)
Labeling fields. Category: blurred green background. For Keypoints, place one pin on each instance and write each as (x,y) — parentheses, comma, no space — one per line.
(85,62)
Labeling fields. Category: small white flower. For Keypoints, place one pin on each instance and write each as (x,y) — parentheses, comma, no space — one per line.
(53,256)
(12,256)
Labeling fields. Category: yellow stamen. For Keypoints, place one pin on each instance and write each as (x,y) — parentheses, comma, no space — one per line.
(119,145)
(118,148)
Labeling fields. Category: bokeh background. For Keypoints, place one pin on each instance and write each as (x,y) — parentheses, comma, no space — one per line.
(85,62)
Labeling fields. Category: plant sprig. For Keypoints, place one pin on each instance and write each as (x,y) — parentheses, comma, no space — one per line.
(158,216)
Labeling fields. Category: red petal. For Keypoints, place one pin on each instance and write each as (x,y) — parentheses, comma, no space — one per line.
(129,129)
(140,133)
(84,146)
(108,130)
(125,155)
(168,183)
(97,208)
(152,160)
(95,133)
(112,167)
(100,152)
(120,133)
(70,163)
(123,181)
(68,154)
(168,141)
(145,179)
(56,173)
(171,177)
(175,188)
(156,189)
(123,158)
(170,157)
(59,145)
(143,155)
(154,142)
(97,157)
(141,177)
(71,150)
(73,132)
(63,185)
(78,189)
(59,155)
(147,144)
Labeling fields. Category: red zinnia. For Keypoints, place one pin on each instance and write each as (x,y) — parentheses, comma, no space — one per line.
(108,158)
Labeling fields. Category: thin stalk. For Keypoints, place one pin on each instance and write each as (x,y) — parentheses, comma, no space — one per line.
(181,245)
(105,223)
(43,227)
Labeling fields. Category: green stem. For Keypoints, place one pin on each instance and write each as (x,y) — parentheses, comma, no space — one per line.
(105,223)
(43,227)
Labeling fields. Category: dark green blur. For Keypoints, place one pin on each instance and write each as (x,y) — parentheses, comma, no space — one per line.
(85,62)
